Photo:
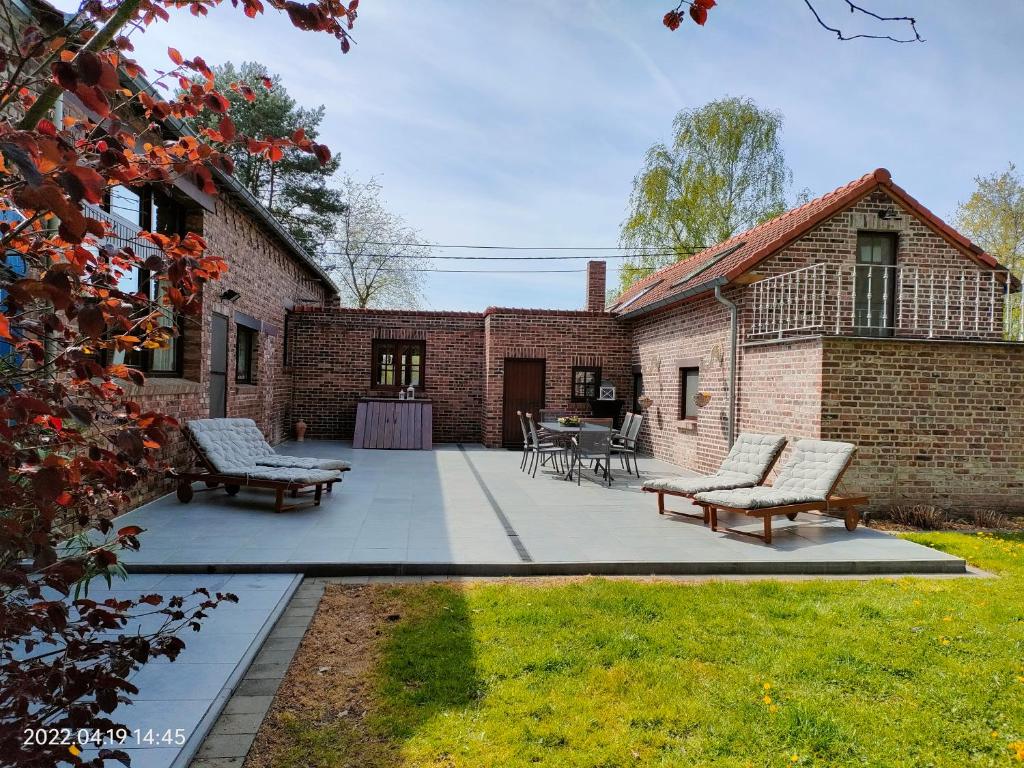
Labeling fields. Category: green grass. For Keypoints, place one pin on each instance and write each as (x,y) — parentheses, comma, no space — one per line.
(600,673)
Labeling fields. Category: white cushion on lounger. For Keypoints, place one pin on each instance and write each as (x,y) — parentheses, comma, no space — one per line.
(288,474)
(230,443)
(301,462)
(814,466)
(752,454)
(746,465)
(756,498)
(808,475)
(689,485)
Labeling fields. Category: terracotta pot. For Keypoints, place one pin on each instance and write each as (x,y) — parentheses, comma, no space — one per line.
(300,430)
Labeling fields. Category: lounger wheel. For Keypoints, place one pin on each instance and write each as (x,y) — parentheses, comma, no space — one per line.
(791,515)
(851,518)
(212,483)
(184,491)
(232,489)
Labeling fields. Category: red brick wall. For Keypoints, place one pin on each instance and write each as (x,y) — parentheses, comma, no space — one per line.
(268,280)
(780,390)
(694,335)
(935,422)
(331,367)
(921,253)
(563,339)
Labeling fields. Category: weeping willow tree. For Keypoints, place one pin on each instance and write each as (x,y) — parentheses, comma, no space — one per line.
(723,171)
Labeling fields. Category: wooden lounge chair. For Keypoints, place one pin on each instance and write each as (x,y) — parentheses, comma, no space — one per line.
(241,438)
(807,482)
(748,463)
(228,457)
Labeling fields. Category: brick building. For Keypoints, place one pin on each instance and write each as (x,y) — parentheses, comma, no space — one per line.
(229,360)
(859,316)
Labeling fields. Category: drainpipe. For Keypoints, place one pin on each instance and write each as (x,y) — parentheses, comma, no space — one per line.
(733,337)
(52,226)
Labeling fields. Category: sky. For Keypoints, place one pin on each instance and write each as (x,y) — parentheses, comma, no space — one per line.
(523,123)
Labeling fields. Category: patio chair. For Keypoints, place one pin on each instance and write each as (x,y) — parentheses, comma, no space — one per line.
(747,464)
(807,482)
(624,428)
(541,450)
(228,456)
(625,444)
(527,442)
(592,445)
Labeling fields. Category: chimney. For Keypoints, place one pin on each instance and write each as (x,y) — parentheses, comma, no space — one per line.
(595,286)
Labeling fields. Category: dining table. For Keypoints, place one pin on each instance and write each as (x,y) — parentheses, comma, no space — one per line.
(558,428)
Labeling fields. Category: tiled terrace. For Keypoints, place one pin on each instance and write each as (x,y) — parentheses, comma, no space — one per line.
(469,510)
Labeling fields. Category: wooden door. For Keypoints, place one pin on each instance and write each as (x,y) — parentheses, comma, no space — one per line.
(218,366)
(524,391)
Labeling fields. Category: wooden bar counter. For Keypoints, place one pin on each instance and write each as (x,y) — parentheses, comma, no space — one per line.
(395,424)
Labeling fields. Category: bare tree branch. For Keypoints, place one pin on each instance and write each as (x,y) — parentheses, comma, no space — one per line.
(854,8)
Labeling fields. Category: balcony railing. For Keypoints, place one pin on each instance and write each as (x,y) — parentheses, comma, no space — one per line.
(888,300)
(121,232)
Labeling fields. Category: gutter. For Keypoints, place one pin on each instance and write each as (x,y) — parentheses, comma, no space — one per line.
(675,298)
(733,349)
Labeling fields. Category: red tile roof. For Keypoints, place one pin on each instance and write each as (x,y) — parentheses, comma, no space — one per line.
(726,261)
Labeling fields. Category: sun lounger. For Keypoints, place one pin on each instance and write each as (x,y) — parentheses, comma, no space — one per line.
(237,439)
(747,465)
(226,451)
(807,482)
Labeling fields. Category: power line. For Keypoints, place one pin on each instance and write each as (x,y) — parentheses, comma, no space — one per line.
(504,248)
(503,258)
(485,271)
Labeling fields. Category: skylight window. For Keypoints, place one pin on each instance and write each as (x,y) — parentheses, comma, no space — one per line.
(633,299)
(709,263)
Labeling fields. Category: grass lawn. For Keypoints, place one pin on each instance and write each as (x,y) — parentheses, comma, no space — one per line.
(601,673)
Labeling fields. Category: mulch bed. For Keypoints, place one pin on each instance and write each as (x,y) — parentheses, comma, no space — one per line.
(328,682)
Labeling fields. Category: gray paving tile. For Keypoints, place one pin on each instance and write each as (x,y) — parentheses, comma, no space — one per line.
(218,762)
(225,745)
(427,507)
(232,724)
(248,704)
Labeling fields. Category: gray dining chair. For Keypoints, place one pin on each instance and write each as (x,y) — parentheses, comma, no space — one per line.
(624,429)
(625,445)
(526,440)
(542,451)
(592,445)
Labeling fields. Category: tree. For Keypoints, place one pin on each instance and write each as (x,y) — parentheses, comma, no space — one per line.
(376,257)
(723,171)
(993,217)
(73,443)
(697,10)
(294,186)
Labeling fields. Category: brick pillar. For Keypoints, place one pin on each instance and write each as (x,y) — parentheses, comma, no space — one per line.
(595,286)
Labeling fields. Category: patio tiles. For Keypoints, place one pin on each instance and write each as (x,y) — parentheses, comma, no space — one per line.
(188,693)
(426,511)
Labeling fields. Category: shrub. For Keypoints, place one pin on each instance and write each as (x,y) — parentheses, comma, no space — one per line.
(925,516)
(988,518)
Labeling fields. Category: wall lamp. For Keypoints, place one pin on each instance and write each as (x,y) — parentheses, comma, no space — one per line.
(889,214)
(230,295)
